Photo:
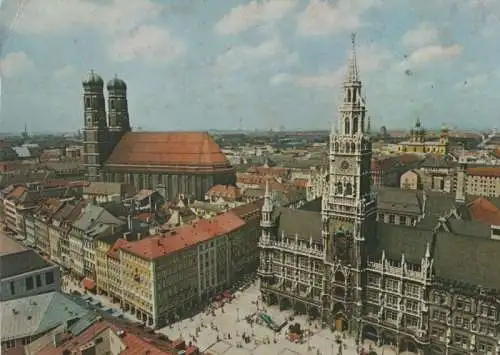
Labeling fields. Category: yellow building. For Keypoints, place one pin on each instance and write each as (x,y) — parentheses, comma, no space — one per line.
(418,142)
(104,245)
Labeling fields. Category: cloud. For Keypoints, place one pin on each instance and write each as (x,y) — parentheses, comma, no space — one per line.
(424,34)
(370,58)
(320,17)
(280,79)
(64,73)
(244,56)
(151,43)
(111,16)
(255,13)
(431,53)
(15,64)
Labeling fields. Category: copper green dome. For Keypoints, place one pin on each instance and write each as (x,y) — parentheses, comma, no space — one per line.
(93,79)
(116,83)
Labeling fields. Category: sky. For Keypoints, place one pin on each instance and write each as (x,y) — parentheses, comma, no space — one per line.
(262,64)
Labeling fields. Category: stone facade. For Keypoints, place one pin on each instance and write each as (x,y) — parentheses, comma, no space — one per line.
(421,281)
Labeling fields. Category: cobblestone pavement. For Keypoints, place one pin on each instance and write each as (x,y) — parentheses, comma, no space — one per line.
(68,285)
(232,321)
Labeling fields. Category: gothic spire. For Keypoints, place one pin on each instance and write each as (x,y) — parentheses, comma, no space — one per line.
(268,204)
(352,71)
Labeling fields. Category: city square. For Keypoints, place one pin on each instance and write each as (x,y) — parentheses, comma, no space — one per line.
(222,333)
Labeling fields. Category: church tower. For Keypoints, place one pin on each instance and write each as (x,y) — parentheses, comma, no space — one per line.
(118,120)
(95,141)
(349,206)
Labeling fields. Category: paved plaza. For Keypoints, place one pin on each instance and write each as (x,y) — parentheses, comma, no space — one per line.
(222,334)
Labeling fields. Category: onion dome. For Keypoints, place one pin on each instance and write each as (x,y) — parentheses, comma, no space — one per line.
(116,83)
(93,79)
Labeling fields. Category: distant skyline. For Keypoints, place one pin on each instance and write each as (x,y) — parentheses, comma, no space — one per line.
(229,65)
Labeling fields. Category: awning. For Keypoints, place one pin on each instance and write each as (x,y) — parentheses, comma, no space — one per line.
(88,283)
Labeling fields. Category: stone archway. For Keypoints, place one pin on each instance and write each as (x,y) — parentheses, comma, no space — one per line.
(407,347)
(388,338)
(370,333)
(285,304)
(436,350)
(340,322)
(314,312)
(339,277)
(272,299)
(299,308)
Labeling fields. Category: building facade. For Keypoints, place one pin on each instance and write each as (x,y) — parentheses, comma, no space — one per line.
(423,283)
(483,181)
(418,142)
(187,163)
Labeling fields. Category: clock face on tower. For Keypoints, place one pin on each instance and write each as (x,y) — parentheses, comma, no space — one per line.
(344,165)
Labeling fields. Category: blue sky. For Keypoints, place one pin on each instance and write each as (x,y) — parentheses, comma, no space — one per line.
(229,64)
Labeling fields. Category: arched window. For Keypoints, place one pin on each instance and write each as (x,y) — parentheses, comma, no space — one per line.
(347,126)
(353,147)
(336,147)
(87,102)
(347,147)
(113,104)
(348,95)
(338,188)
(355,125)
(348,189)
(354,96)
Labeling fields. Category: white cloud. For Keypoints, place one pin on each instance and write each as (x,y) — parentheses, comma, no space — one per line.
(244,56)
(370,58)
(321,17)
(422,35)
(280,79)
(123,22)
(151,43)
(431,53)
(14,64)
(64,73)
(255,13)
(111,16)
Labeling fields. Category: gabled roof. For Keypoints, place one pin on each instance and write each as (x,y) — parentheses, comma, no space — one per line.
(30,316)
(484,211)
(168,149)
(302,223)
(20,263)
(467,259)
(184,237)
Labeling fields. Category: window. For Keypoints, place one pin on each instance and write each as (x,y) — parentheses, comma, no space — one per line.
(12,288)
(402,219)
(392,285)
(29,283)
(392,301)
(391,316)
(411,322)
(373,280)
(412,290)
(392,219)
(412,306)
(49,277)
(10,344)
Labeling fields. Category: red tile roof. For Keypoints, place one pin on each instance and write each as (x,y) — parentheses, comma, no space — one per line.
(487,171)
(17,193)
(134,343)
(300,183)
(184,237)
(168,150)
(484,211)
(88,284)
(224,191)
(113,251)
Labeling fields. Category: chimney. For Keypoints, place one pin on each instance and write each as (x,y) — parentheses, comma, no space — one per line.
(57,338)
